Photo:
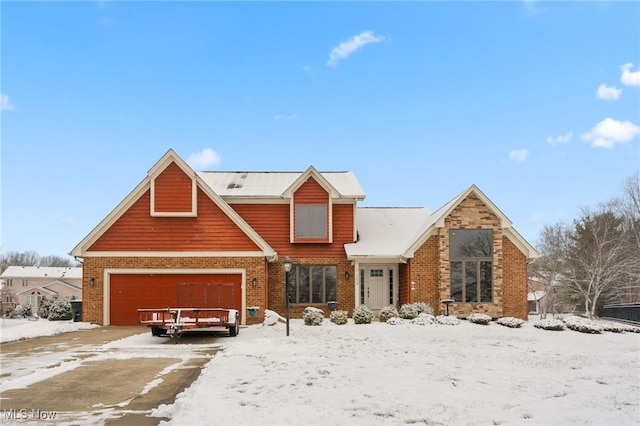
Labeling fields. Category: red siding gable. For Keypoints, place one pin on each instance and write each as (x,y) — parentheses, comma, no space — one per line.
(173,191)
(211,230)
(311,192)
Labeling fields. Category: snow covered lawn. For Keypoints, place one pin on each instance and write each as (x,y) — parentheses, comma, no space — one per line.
(379,374)
(17,329)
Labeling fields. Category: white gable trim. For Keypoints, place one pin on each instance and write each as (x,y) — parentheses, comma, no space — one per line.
(157,169)
(442,213)
(81,249)
(311,172)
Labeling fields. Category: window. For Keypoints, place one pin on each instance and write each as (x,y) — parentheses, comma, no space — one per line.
(25,282)
(391,287)
(471,277)
(313,284)
(9,282)
(377,272)
(311,221)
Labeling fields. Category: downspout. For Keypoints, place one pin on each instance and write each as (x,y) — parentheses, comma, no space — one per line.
(408,283)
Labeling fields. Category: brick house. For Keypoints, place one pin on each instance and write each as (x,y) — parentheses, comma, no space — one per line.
(27,285)
(181,232)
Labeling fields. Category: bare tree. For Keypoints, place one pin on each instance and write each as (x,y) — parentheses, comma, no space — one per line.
(547,270)
(31,258)
(58,261)
(595,252)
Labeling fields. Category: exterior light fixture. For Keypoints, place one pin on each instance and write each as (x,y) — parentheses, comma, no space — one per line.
(254,282)
(413,285)
(346,275)
(92,282)
(286,263)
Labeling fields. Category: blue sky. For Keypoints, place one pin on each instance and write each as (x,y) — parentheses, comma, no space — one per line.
(537,103)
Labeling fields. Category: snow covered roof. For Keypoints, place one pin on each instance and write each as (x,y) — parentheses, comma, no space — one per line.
(399,232)
(386,232)
(42,272)
(536,295)
(275,184)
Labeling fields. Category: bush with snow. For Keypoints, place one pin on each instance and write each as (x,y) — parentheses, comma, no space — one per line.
(412,310)
(423,319)
(338,317)
(60,310)
(43,311)
(583,325)
(313,316)
(387,312)
(478,318)
(362,315)
(447,320)
(617,327)
(395,321)
(510,322)
(17,312)
(550,324)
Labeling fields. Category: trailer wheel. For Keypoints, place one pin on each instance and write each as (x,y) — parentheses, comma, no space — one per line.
(234,329)
(158,331)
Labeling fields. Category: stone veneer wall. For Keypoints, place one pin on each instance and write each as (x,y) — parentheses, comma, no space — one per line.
(93,297)
(471,213)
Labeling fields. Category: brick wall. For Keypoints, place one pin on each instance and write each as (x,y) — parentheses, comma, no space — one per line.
(515,287)
(346,287)
(93,296)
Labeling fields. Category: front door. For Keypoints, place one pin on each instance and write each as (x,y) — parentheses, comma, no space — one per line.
(377,288)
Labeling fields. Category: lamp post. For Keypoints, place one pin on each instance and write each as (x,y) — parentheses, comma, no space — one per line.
(287,267)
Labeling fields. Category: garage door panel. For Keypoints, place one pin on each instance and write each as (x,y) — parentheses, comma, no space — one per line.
(130,292)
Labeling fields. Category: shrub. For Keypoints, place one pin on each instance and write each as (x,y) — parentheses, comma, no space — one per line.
(43,311)
(616,327)
(550,324)
(583,325)
(60,310)
(478,318)
(387,312)
(313,316)
(510,322)
(338,317)
(362,315)
(18,312)
(447,320)
(395,321)
(412,310)
(423,319)
(27,311)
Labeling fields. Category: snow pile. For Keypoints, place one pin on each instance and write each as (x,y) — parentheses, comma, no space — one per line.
(272,317)
(18,329)
(478,318)
(510,322)
(395,321)
(583,325)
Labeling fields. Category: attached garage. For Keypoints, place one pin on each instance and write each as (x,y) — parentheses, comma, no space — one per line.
(130,291)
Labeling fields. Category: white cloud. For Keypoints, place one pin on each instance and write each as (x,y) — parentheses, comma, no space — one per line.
(556,140)
(204,159)
(307,68)
(628,77)
(285,117)
(519,155)
(607,93)
(609,132)
(346,48)
(5,103)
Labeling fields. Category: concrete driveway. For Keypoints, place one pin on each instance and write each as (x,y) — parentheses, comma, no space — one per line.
(106,375)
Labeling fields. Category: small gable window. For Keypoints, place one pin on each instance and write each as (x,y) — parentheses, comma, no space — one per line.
(470,252)
(311,221)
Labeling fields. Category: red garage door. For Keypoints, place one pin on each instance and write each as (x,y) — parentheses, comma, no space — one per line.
(130,292)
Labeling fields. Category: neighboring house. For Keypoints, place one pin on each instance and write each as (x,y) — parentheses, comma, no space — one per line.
(179,232)
(537,300)
(29,284)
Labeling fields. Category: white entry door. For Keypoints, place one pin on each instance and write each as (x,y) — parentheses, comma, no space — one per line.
(376,287)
